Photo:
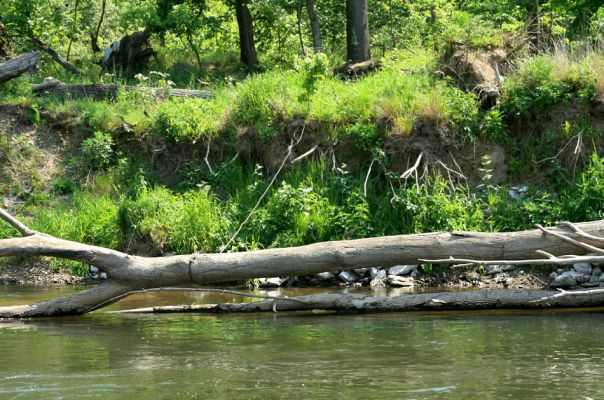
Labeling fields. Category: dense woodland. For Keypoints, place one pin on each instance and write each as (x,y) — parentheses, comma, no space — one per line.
(319,120)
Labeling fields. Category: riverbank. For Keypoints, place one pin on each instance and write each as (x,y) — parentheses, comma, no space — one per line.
(406,277)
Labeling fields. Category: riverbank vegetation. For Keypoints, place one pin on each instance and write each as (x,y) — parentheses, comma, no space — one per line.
(412,144)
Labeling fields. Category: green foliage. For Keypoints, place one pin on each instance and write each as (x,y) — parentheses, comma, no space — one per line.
(97,151)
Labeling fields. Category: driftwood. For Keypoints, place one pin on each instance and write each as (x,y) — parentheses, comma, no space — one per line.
(18,66)
(101,91)
(127,273)
(355,303)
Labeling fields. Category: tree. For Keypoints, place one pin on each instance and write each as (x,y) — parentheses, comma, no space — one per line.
(246,35)
(357,31)
(315,27)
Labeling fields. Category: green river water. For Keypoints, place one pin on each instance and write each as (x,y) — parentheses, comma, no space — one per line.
(546,355)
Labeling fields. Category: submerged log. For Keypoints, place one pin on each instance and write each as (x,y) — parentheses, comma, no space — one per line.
(354,303)
(127,273)
(101,91)
(17,66)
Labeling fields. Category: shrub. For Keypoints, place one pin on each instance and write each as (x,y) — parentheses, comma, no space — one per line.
(97,151)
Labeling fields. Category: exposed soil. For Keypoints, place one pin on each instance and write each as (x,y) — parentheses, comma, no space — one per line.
(37,273)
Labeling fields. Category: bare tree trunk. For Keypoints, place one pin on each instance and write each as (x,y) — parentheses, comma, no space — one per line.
(534,26)
(246,34)
(73,28)
(109,91)
(55,56)
(17,66)
(355,303)
(127,273)
(299,18)
(357,31)
(315,27)
(94,38)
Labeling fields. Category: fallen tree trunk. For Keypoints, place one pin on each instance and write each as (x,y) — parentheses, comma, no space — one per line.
(355,303)
(127,273)
(109,91)
(17,66)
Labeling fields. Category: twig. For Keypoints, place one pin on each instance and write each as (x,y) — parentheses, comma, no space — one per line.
(566,293)
(570,240)
(367,178)
(580,232)
(413,169)
(562,260)
(12,221)
(287,156)
(206,158)
(303,156)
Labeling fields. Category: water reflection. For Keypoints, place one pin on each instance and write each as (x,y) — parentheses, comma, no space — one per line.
(399,356)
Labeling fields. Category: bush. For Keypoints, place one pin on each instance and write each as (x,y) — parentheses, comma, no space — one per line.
(97,151)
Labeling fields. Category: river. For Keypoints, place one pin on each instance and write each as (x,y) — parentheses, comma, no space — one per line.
(497,355)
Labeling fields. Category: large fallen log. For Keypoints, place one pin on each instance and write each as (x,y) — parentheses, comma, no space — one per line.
(17,66)
(355,303)
(127,273)
(101,91)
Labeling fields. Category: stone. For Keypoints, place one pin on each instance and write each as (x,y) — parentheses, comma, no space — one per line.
(400,281)
(597,271)
(402,269)
(378,282)
(493,270)
(348,277)
(414,274)
(361,271)
(269,282)
(373,271)
(601,279)
(583,268)
(563,281)
(94,270)
(325,276)
(553,275)
(103,275)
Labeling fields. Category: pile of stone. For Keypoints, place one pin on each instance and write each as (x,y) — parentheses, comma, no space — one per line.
(582,275)
(396,276)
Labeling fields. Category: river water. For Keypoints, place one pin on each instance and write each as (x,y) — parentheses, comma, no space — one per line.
(545,355)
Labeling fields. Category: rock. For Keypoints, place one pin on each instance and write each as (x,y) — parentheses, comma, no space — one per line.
(493,270)
(378,282)
(597,271)
(361,271)
(290,281)
(94,270)
(601,279)
(583,268)
(348,277)
(400,281)
(564,281)
(414,274)
(374,271)
(553,275)
(103,275)
(325,276)
(269,282)
(402,269)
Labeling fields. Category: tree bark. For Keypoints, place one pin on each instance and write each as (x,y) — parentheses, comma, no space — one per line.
(355,303)
(110,91)
(357,31)
(315,27)
(55,56)
(18,66)
(128,273)
(94,37)
(246,35)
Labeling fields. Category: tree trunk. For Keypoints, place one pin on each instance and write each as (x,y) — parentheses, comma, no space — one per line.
(246,34)
(109,91)
(534,26)
(356,303)
(357,31)
(299,21)
(127,273)
(94,37)
(315,27)
(17,66)
(55,56)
